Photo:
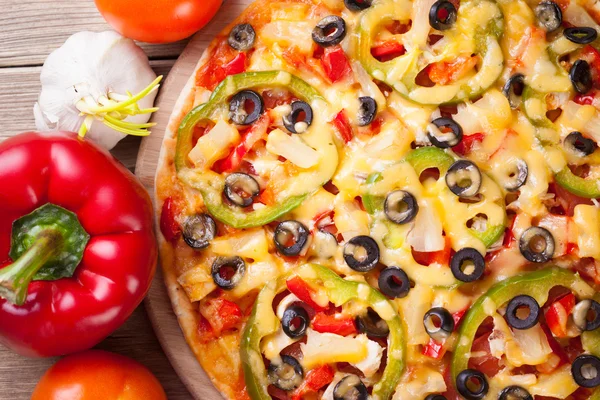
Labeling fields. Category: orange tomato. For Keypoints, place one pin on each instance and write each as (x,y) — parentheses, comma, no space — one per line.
(98,375)
(158,21)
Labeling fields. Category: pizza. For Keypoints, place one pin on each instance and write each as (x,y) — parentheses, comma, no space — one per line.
(390,199)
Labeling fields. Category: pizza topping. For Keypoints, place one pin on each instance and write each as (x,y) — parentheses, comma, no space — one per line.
(435,397)
(472,384)
(444,132)
(442,15)
(586,371)
(242,37)
(537,244)
(581,76)
(439,323)
(586,315)
(286,375)
(464,178)
(214,145)
(549,15)
(579,145)
(350,388)
(400,207)
(581,35)
(199,230)
(394,283)
(361,253)
(366,111)
(514,393)
(357,5)
(515,175)
(330,31)
(513,89)
(241,189)
(522,312)
(372,324)
(246,107)
(291,238)
(295,321)
(300,117)
(467,265)
(227,272)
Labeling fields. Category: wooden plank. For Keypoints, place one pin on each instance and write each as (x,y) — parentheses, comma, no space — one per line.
(31,29)
(135,339)
(20,89)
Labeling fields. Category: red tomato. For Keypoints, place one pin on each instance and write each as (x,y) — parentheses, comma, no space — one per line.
(98,375)
(158,21)
(304,292)
(332,324)
(558,314)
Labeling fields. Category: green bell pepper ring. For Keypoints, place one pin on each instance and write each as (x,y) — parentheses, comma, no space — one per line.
(264,322)
(400,73)
(211,184)
(535,284)
(588,188)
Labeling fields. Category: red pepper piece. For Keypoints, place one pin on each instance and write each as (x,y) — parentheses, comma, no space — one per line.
(558,313)
(304,292)
(388,50)
(315,380)
(467,143)
(222,314)
(75,313)
(444,73)
(342,124)
(168,225)
(325,323)
(441,257)
(434,349)
(335,63)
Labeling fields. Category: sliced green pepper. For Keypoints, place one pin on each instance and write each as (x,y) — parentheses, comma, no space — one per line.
(535,284)
(588,188)
(264,322)
(401,72)
(211,184)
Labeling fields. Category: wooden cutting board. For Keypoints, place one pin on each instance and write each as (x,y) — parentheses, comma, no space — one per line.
(157,303)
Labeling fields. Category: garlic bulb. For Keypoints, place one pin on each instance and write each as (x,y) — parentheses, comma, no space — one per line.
(87,87)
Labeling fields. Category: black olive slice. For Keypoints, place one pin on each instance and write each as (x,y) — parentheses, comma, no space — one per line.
(472,384)
(586,315)
(350,388)
(439,135)
(514,316)
(361,253)
(586,371)
(549,15)
(329,31)
(537,244)
(242,37)
(357,5)
(286,375)
(438,323)
(581,76)
(291,238)
(518,173)
(514,393)
(295,321)
(513,89)
(467,265)
(400,207)
(199,230)
(293,122)
(238,107)
(394,283)
(367,110)
(435,397)
(227,272)
(372,324)
(241,189)
(464,178)
(577,144)
(581,34)
(442,15)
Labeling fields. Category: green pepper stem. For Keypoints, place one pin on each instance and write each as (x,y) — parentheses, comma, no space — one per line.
(15,278)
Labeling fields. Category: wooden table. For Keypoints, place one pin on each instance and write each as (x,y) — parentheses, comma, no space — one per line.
(29,31)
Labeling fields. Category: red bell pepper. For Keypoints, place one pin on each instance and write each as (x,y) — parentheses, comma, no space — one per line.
(168,225)
(467,143)
(388,50)
(304,292)
(83,245)
(335,63)
(444,72)
(325,323)
(342,124)
(315,380)
(558,313)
